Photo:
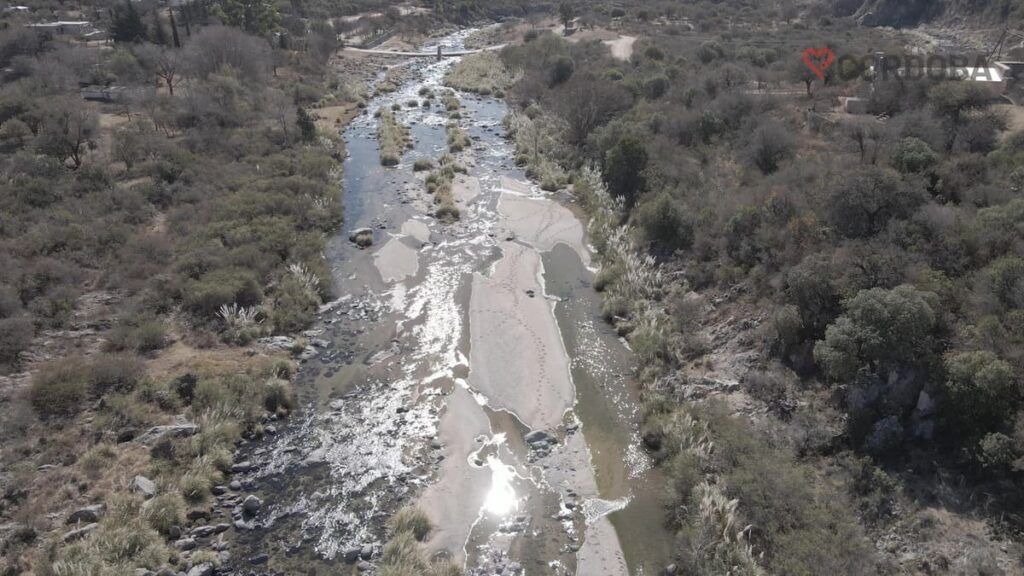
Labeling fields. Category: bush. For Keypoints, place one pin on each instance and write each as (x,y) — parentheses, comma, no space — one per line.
(981,392)
(771,144)
(412,521)
(165,511)
(422,164)
(142,336)
(913,155)
(109,373)
(15,337)
(661,221)
(882,330)
(60,388)
(222,287)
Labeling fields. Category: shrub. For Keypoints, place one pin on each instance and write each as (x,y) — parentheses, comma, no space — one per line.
(913,155)
(981,392)
(146,335)
(862,204)
(661,221)
(165,511)
(422,164)
(15,337)
(412,521)
(222,287)
(881,330)
(770,145)
(110,373)
(60,388)
(278,396)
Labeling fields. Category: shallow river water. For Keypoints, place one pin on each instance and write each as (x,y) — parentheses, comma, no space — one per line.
(463,369)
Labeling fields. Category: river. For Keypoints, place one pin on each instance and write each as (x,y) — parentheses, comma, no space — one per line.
(464,369)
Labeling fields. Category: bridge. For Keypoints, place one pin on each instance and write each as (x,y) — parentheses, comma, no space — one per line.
(439,54)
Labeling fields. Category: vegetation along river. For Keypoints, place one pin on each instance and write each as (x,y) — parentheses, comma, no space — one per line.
(465,370)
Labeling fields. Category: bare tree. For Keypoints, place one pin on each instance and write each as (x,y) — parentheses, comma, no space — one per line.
(164,63)
(67,130)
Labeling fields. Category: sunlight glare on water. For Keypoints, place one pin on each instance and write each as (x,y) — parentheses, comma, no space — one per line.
(501,499)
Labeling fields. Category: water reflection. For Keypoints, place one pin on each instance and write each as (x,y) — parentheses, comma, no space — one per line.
(501,498)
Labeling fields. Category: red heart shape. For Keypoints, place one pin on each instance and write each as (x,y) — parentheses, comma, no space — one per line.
(818,60)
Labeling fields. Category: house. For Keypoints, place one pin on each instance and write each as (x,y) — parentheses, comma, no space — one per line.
(62,27)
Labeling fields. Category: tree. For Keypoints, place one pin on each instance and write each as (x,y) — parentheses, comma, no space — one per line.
(880,331)
(862,204)
(566,14)
(586,102)
(624,170)
(162,62)
(661,221)
(913,155)
(174,28)
(126,24)
(981,392)
(307,128)
(158,34)
(258,17)
(67,130)
(771,144)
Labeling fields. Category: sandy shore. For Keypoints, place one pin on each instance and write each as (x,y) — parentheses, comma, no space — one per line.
(516,352)
(396,260)
(417,229)
(542,223)
(601,553)
(465,188)
(453,502)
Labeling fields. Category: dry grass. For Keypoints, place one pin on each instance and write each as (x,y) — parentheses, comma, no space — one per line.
(392,138)
(481,73)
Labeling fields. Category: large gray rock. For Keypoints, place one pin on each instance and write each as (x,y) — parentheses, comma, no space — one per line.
(144,486)
(151,436)
(251,505)
(362,237)
(539,437)
(87,515)
(204,569)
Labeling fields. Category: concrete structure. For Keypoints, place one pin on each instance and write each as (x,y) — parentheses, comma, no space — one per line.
(63,27)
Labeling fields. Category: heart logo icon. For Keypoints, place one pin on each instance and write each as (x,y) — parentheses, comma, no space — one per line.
(818,60)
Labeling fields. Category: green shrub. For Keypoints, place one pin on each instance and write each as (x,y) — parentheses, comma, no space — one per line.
(165,511)
(142,336)
(422,164)
(661,221)
(60,388)
(913,155)
(222,287)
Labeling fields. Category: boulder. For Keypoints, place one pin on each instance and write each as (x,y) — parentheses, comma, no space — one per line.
(251,505)
(204,569)
(539,437)
(87,515)
(185,544)
(198,514)
(259,559)
(144,486)
(352,554)
(362,237)
(241,467)
(366,552)
(156,433)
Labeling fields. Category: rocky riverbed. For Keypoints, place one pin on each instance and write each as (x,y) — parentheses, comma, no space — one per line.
(464,369)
